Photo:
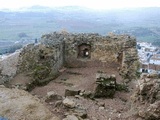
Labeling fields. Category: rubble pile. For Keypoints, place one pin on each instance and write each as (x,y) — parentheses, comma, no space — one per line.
(146,99)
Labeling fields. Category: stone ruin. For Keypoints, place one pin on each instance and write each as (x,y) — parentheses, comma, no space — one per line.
(43,61)
(106,85)
(79,50)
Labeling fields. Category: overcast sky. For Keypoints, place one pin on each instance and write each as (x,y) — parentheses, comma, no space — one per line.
(96,4)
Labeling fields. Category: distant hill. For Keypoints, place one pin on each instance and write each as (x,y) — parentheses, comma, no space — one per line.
(35,8)
(143,23)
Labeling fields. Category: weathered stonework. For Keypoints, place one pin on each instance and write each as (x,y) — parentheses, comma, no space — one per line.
(146,98)
(130,61)
(117,51)
(103,51)
(41,61)
(106,85)
(79,50)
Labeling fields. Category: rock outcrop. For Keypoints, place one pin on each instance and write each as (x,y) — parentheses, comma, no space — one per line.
(52,96)
(8,67)
(19,105)
(69,103)
(71,117)
(146,100)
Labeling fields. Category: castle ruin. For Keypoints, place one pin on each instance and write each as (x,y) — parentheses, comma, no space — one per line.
(79,50)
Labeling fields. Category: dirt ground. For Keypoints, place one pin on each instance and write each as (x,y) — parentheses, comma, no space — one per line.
(84,79)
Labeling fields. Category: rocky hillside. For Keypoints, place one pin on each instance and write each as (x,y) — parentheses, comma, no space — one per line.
(20,105)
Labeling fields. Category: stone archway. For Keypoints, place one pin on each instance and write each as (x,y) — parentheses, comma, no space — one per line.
(84,51)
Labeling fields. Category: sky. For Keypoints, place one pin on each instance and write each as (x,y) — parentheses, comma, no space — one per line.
(95,4)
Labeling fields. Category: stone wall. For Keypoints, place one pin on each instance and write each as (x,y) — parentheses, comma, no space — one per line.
(130,62)
(41,61)
(79,50)
(117,51)
(104,49)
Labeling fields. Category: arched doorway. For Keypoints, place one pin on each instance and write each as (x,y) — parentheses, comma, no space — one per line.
(84,51)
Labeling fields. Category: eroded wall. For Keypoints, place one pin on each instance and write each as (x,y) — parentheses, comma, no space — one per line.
(109,51)
(69,50)
(118,51)
(41,61)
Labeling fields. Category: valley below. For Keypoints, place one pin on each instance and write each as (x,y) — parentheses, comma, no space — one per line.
(27,25)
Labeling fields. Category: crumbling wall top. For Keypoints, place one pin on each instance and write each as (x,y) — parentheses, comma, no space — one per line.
(79,38)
